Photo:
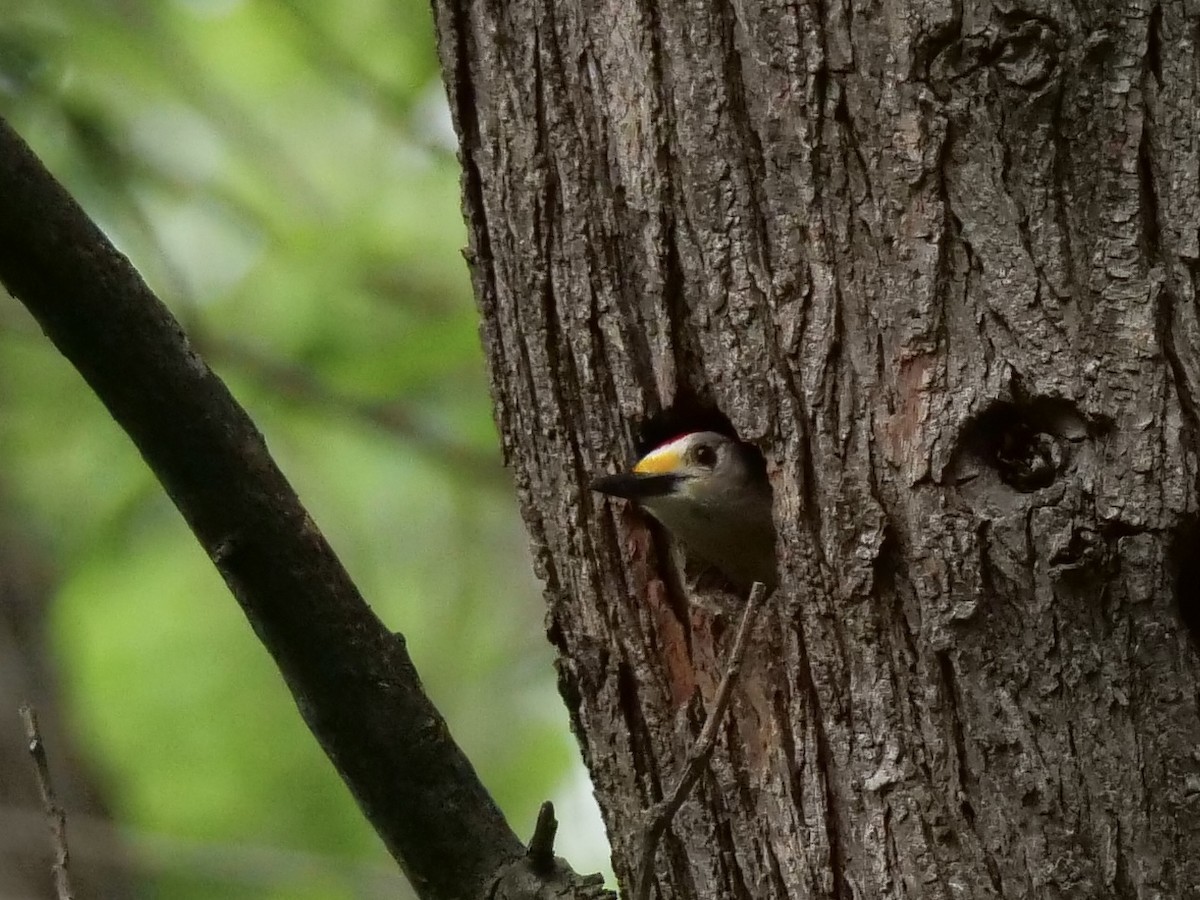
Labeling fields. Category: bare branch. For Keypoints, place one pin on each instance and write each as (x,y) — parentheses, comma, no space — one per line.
(662,813)
(352,679)
(54,813)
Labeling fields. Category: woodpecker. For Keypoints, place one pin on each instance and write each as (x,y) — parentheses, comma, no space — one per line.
(712,493)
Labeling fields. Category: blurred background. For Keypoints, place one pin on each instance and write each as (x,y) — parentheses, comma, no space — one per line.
(282,172)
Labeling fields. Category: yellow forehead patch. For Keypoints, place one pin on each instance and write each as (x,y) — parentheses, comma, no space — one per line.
(662,461)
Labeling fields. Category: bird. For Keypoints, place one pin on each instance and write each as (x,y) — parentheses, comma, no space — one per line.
(711,492)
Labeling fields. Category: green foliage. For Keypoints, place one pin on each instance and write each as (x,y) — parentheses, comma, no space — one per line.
(282,175)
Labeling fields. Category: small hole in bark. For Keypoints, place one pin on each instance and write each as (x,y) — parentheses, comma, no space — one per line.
(1027,443)
(1185,559)
(1027,460)
(1005,438)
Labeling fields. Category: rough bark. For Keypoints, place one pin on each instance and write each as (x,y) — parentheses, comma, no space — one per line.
(938,260)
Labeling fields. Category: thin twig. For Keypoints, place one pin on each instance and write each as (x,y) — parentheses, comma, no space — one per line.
(54,813)
(662,813)
(238,869)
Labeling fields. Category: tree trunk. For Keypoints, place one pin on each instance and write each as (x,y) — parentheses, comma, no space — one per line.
(938,261)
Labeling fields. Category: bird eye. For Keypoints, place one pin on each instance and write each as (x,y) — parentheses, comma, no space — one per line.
(705,455)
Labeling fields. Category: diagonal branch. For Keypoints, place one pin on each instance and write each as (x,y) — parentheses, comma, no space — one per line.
(352,679)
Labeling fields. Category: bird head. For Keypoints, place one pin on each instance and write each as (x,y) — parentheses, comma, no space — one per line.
(710,491)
